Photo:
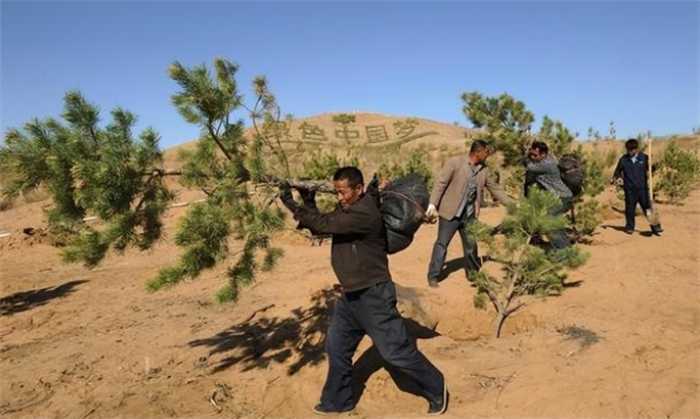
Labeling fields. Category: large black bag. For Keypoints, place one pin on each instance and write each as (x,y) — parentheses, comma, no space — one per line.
(403,206)
(573,172)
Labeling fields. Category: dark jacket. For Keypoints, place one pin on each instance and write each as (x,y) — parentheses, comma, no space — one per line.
(547,176)
(358,252)
(633,174)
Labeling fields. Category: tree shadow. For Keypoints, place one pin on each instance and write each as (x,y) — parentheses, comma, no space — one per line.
(370,362)
(256,344)
(27,300)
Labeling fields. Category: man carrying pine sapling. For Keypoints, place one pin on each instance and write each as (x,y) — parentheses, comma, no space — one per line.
(368,302)
(631,170)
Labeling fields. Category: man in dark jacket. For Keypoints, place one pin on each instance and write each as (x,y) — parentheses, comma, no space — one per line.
(632,169)
(368,303)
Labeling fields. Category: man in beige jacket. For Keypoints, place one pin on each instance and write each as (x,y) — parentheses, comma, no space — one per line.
(457,196)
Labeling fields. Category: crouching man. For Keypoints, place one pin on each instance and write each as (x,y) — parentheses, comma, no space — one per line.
(368,302)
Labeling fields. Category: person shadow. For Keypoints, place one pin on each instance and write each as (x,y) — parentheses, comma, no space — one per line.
(450,267)
(371,361)
(456,265)
(614,227)
(622,229)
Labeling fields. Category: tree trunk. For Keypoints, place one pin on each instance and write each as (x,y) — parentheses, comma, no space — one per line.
(500,319)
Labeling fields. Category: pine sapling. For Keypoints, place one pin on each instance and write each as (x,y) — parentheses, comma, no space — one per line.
(527,270)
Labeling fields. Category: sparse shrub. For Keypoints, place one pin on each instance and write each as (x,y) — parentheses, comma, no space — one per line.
(415,164)
(678,173)
(556,135)
(322,166)
(610,159)
(611,129)
(515,180)
(584,215)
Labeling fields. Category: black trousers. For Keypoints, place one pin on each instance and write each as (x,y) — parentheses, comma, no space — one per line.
(559,239)
(373,311)
(632,198)
(446,231)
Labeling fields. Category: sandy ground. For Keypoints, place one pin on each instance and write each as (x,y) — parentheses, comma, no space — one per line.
(80,343)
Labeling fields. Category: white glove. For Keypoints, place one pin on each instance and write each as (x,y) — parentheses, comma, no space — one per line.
(432,212)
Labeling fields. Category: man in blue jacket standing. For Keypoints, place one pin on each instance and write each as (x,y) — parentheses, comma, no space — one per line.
(632,169)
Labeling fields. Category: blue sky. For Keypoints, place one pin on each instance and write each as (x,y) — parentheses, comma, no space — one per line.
(584,63)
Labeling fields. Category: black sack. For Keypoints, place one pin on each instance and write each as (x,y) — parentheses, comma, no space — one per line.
(396,242)
(403,207)
(573,172)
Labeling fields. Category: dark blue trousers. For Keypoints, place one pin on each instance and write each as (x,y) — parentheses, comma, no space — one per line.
(372,311)
(559,239)
(632,198)
(446,231)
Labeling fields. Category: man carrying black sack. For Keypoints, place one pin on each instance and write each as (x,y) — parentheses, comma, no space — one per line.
(631,170)
(368,303)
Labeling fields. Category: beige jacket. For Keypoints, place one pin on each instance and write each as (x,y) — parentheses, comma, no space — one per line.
(451,184)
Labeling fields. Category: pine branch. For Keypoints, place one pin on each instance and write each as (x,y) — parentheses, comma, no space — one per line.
(163,172)
(516,308)
(318,186)
(216,139)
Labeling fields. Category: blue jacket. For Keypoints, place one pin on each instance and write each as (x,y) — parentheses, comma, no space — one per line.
(633,174)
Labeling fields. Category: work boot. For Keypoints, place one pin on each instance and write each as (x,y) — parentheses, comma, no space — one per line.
(439,405)
(323,410)
(656,229)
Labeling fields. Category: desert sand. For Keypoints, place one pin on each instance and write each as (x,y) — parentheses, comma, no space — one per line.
(622,341)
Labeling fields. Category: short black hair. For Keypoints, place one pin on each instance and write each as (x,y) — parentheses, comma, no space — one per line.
(631,144)
(479,145)
(540,146)
(351,174)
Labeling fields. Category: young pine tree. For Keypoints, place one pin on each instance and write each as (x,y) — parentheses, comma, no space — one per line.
(224,165)
(527,270)
(679,173)
(584,216)
(506,123)
(89,169)
(111,173)
(505,120)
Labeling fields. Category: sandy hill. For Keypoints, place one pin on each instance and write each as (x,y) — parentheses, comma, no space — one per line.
(377,138)
(373,138)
